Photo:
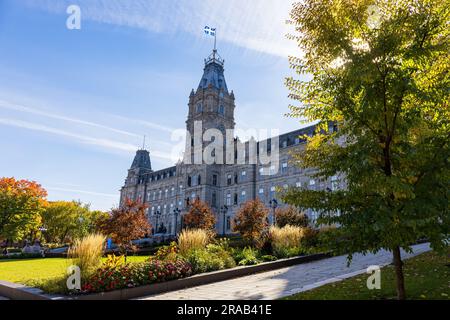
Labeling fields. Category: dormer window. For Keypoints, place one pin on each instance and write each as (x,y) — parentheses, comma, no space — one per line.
(221,110)
(199,108)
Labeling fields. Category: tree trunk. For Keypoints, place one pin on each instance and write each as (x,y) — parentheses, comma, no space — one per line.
(401,294)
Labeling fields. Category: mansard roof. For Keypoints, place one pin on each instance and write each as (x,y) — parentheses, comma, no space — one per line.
(142,160)
(213,73)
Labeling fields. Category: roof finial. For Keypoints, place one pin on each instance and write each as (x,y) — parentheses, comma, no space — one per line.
(143,144)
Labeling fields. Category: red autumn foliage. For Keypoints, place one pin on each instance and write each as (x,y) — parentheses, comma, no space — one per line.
(251,221)
(199,216)
(126,224)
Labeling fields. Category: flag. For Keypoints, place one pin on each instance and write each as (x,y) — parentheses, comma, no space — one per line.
(210,31)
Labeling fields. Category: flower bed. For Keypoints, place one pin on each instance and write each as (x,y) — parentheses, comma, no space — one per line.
(136,274)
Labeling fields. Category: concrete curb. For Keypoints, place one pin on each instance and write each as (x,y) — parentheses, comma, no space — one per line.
(22,292)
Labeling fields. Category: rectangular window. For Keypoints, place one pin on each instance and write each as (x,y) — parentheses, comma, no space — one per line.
(243,196)
(214,200)
(284,167)
(243,175)
(214,180)
(229,179)
(228,200)
(228,223)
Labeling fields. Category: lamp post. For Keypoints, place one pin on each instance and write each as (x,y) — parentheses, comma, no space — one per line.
(224,211)
(176,212)
(157,214)
(274,204)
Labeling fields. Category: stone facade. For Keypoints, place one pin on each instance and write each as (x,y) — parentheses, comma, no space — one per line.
(225,187)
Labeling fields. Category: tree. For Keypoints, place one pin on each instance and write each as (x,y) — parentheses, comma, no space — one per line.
(69,220)
(291,215)
(199,216)
(125,224)
(379,71)
(21,203)
(251,221)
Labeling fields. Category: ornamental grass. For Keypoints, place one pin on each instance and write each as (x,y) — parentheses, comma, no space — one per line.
(193,239)
(87,253)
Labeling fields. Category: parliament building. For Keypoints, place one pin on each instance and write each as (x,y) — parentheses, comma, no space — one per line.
(224,185)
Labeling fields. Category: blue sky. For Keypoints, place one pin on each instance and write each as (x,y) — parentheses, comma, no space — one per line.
(75,104)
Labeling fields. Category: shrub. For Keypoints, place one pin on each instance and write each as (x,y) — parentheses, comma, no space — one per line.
(193,239)
(286,240)
(87,253)
(292,216)
(204,261)
(199,216)
(125,224)
(213,257)
(22,256)
(136,274)
(247,257)
(169,253)
(268,258)
(310,237)
(251,222)
(114,262)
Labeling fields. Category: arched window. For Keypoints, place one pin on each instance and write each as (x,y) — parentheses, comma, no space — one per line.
(199,107)
(221,110)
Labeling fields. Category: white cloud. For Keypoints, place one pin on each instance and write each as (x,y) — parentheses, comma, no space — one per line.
(83,192)
(15,107)
(256,25)
(100,142)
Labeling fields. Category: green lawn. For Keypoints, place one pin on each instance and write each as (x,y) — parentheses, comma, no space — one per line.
(427,276)
(32,270)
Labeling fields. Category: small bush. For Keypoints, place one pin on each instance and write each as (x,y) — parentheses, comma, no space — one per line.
(251,222)
(268,258)
(213,257)
(200,216)
(310,237)
(22,256)
(169,253)
(193,239)
(286,241)
(248,256)
(87,253)
(291,216)
(114,262)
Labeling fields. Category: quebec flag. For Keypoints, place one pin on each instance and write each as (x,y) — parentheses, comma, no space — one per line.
(210,31)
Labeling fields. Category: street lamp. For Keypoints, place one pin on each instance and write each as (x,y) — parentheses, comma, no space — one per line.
(176,212)
(224,210)
(157,214)
(274,204)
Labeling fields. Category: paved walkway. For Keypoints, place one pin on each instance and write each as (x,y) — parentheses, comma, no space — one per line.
(288,281)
